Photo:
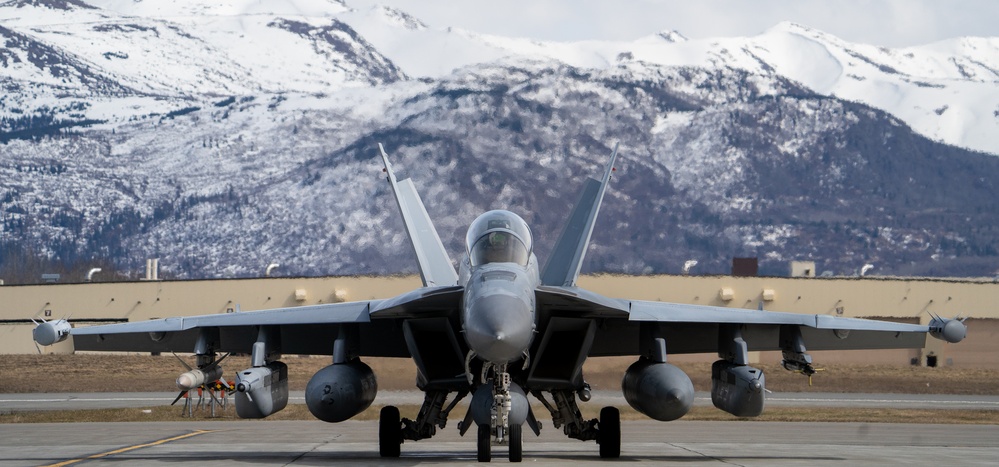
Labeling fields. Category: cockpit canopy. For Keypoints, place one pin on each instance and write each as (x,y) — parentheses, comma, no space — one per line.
(499,237)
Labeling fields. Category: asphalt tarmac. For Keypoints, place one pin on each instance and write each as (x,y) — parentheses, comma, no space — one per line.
(75,401)
(742,443)
(354,443)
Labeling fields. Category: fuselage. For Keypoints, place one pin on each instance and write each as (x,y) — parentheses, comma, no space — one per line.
(500,275)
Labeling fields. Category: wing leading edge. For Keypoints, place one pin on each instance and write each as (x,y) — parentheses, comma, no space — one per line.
(331,313)
(302,328)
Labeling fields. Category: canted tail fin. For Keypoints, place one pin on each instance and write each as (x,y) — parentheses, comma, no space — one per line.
(562,267)
(434,263)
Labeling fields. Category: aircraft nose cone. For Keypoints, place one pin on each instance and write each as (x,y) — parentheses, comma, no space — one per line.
(498,327)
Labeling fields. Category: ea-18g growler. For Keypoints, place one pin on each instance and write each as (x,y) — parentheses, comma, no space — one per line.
(499,330)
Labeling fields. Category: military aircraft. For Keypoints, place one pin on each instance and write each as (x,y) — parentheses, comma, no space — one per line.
(499,328)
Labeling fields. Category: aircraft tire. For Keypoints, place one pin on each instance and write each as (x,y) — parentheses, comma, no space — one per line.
(389,432)
(485,444)
(610,433)
(516,441)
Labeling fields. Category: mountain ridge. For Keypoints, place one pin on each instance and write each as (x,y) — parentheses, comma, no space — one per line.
(223,164)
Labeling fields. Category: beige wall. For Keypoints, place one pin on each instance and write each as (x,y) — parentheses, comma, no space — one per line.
(907,299)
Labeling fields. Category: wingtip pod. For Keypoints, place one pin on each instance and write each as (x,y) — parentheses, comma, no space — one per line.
(950,330)
(51,332)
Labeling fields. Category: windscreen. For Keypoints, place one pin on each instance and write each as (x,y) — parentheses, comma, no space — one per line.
(499,237)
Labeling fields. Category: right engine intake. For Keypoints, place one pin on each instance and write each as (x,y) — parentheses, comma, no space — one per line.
(340,391)
(262,390)
(737,389)
(659,390)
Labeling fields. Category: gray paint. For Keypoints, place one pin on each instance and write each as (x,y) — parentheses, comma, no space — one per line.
(487,315)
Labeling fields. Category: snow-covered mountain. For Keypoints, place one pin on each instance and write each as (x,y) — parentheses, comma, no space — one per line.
(222,136)
(946,91)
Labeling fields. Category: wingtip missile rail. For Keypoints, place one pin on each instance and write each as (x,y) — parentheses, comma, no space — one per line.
(950,330)
(51,332)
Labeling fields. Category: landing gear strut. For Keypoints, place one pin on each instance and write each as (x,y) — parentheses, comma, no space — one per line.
(393,430)
(566,415)
(500,431)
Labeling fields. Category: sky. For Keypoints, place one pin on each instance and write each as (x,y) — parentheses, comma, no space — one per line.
(891,23)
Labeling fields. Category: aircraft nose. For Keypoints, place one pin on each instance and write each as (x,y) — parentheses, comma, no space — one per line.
(498,327)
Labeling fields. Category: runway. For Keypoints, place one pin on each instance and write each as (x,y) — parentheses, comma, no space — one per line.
(644,443)
(76,401)
(743,443)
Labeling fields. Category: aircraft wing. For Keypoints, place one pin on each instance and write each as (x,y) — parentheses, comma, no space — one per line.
(762,328)
(305,329)
(562,267)
(302,330)
(696,328)
(354,312)
(434,263)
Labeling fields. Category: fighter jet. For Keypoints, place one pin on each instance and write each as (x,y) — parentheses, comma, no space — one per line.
(499,329)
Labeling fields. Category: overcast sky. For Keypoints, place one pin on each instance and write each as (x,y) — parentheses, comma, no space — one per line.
(892,23)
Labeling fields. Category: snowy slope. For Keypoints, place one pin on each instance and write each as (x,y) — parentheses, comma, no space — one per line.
(948,91)
(227,135)
(194,50)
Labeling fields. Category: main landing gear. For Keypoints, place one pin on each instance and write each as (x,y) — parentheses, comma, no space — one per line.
(393,429)
(499,411)
(609,436)
(389,432)
(606,430)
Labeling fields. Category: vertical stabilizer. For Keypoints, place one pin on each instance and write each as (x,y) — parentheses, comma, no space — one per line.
(562,267)
(434,263)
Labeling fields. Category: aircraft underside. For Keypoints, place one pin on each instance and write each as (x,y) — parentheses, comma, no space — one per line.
(500,409)
(499,412)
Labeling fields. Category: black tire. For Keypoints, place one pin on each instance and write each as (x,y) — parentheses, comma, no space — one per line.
(389,432)
(610,433)
(485,444)
(515,439)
